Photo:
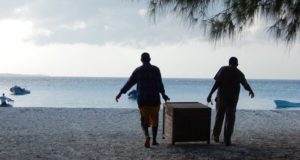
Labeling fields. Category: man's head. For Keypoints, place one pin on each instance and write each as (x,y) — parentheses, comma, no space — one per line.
(233,61)
(3,94)
(145,57)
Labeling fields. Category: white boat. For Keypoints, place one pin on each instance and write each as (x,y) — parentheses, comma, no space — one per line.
(285,104)
(17,90)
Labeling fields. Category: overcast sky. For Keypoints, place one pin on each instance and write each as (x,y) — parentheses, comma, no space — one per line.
(105,38)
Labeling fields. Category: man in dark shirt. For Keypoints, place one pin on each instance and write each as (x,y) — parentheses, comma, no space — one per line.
(227,81)
(149,85)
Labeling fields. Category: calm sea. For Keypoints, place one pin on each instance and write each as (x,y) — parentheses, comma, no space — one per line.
(100,92)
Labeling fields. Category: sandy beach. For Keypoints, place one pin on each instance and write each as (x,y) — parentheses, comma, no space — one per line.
(77,134)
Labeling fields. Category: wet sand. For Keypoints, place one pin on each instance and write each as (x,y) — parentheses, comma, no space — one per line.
(77,134)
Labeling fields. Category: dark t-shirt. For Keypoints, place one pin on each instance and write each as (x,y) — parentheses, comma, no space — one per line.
(229,79)
(149,85)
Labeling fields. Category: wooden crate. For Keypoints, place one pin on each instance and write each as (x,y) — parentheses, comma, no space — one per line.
(186,122)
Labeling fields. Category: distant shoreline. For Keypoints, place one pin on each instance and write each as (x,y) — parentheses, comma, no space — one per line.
(183,78)
(22,75)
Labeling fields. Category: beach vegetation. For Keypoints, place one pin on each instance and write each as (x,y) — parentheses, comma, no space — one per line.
(221,19)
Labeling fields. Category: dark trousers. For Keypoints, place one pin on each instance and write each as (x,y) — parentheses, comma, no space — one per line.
(4,104)
(225,108)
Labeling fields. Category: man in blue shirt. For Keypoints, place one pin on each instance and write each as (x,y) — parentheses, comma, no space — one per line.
(149,87)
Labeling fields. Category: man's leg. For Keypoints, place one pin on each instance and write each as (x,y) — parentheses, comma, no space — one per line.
(219,120)
(154,134)
(145,130)
(229,123)
(145,125)
(146,133)
(154,122)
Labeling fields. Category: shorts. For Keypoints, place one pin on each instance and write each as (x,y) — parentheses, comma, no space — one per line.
(149,115)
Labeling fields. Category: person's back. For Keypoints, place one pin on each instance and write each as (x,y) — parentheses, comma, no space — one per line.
(230,78)
(149,84)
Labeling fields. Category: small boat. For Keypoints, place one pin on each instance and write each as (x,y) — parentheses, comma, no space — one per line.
(285,104)
(133,94)
(17,90)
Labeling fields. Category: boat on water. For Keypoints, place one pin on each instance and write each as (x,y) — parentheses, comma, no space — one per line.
(285,104)
(17,90)
(133,94)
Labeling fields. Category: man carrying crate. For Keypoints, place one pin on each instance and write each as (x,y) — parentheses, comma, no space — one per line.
(228,80)
(149,87)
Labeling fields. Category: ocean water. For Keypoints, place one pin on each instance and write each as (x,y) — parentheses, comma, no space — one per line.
(82,92)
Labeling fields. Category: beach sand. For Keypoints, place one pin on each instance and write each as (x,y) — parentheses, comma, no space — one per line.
(78,134)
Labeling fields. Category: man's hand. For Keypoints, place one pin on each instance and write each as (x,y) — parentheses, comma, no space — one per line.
(165,97)
(251,94)
(118,96)
(208,98)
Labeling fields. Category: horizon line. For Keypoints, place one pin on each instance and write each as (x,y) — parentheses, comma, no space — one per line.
(58,76)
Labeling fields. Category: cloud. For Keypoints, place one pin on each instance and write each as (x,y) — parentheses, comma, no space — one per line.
(44,32)
(94,22)
(14,31)
(21,10)
(107,28)
(75,26)
(142,12)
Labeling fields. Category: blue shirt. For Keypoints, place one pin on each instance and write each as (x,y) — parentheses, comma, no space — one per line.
(149,85)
